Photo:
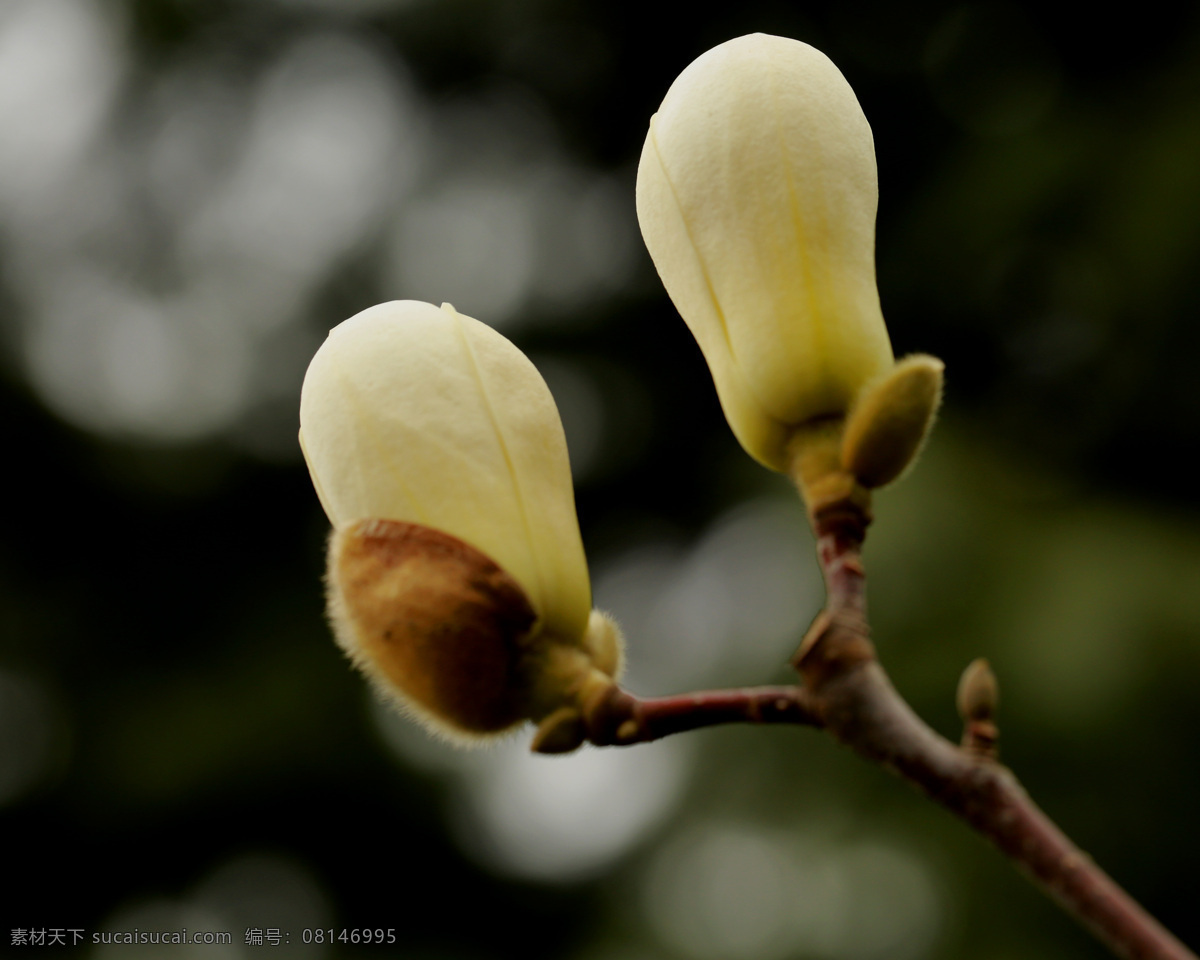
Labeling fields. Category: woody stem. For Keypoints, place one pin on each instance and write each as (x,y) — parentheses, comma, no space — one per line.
(855,701)
(847,692)
(623,719)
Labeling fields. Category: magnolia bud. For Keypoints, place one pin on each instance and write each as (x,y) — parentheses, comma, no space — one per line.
(978,694)
(756,196)
(978,691)
(466,594)
(889,423)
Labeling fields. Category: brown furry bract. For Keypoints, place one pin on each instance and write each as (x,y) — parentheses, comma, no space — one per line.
(434,621)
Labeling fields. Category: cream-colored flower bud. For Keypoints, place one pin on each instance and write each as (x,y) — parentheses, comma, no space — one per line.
(756,196)
(418,413)
(443,435)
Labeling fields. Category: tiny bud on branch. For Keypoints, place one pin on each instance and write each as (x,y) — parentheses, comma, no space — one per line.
(978,694)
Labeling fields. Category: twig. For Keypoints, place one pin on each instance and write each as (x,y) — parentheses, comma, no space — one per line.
(858,704)
(848,693)
(623,719)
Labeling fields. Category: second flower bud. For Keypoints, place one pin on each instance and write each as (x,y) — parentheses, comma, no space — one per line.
(457,579)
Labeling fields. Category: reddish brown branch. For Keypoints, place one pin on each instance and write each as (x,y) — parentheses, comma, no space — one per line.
(862,709)
(847,692)
(621,718)
(857,703)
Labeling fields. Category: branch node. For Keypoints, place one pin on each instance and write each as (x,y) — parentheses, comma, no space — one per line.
(611,718)
(979,738)
(836,643)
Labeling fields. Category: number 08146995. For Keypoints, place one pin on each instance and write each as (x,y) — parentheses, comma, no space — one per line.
(353,935)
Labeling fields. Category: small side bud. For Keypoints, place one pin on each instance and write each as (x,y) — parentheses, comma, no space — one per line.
(978,692)
(606,644)
(561,732)
(978,695)
(888,424)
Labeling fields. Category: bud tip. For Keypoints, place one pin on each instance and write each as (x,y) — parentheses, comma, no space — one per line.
(978,692)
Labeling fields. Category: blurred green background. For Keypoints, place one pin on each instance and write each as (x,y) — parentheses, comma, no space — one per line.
(192,192)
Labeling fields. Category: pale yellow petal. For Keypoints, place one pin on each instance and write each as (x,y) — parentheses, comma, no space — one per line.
(757,195)
(411,412)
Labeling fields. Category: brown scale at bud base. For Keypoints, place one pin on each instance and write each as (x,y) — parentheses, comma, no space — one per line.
(434,622)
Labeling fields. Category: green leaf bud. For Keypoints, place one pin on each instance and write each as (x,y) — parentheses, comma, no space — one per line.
(888,425)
